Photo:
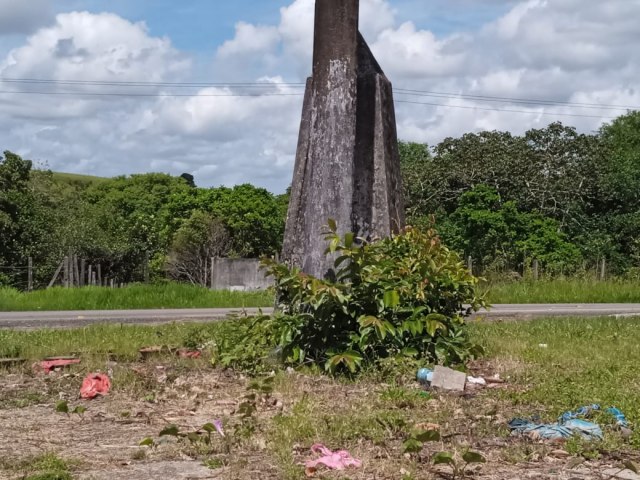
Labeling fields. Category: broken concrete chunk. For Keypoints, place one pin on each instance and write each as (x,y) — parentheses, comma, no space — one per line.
(448,379)
(621,474)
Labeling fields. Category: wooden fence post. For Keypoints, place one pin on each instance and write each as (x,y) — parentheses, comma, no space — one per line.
(65,272)
(30,274)
(99,275)
(55,275)
(470,264)
(536,272)
(146,267)
(213,268)
(83,271)
(603,271)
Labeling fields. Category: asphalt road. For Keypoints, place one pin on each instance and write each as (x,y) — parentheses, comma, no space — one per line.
(33,320)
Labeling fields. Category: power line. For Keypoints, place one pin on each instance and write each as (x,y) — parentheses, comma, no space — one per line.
(122,94)
(525,101)
(469,107)
(268,94)
(149,84)
(404,91)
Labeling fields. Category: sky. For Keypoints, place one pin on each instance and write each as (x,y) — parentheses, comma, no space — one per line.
(153,85)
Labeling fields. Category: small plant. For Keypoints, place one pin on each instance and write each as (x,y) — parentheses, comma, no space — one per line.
(63,407)
(259,391)
(459,467)
(214,463)
(417,439)
(403,296)
(246,344)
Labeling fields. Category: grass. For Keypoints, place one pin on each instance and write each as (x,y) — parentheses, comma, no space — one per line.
(78,179)
(122,341)
(47,466)
(565,291)
(562,364)
(584,361)
(170,295)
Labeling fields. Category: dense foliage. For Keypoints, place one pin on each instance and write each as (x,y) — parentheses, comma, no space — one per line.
(402,296)
(564,199)
(128,225)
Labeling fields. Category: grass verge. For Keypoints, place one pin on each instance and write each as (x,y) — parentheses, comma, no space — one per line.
(170,295)
(562,364)
(565,291)
(551,365)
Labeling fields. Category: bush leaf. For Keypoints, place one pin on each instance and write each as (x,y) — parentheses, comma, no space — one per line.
(62,407)
(473,457)
(171,430)
(443,458)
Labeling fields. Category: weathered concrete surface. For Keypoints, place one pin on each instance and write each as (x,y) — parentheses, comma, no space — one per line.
(347,163)
(239,274)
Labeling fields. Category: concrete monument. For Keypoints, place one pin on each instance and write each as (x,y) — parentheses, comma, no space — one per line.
(347,164)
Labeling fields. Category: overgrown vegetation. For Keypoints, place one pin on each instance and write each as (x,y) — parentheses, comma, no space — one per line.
(402,296)
(565,199)
(383,417)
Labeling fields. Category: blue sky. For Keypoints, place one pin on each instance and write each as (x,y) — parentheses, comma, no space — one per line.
(200,26)
(576,51)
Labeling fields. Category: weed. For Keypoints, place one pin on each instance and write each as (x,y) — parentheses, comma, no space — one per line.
(214,463)
(46,467)
(139,455)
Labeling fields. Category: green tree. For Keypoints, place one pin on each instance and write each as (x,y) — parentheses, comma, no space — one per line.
(196,242)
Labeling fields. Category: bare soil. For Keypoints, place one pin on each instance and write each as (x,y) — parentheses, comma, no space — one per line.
(103,443)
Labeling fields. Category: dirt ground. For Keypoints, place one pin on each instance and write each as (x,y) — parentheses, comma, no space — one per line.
(104,442)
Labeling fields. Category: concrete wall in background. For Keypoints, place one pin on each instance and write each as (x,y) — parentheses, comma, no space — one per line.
(238,274)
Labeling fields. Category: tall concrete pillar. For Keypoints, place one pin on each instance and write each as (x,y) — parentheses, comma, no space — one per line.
(347,164)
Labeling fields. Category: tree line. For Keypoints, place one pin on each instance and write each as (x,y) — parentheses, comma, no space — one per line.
(564,199)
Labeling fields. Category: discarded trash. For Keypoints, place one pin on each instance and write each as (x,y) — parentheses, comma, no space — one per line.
(95,384)
(218,425)
(448,379)
(583,412)
(476,380)
(186,353)
(148,352)
(339,460)
(556,431)
(495,379)
(569,424)
(425,376)
(50,364)
(543,345)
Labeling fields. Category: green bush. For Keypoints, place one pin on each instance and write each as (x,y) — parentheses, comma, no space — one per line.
(402,296)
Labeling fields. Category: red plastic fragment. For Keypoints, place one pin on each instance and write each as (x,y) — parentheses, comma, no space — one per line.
(49,365)
(95,384)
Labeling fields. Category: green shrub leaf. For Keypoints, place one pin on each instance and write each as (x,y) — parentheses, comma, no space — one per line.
(473,457)
(443,458)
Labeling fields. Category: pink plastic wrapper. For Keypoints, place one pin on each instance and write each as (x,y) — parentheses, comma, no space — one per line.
(95,384)
(339,460)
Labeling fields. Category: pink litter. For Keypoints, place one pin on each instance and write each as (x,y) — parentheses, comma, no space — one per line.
(95,384)
(339,460)
(49,366)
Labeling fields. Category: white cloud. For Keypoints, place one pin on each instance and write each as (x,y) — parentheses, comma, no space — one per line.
(580,51)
